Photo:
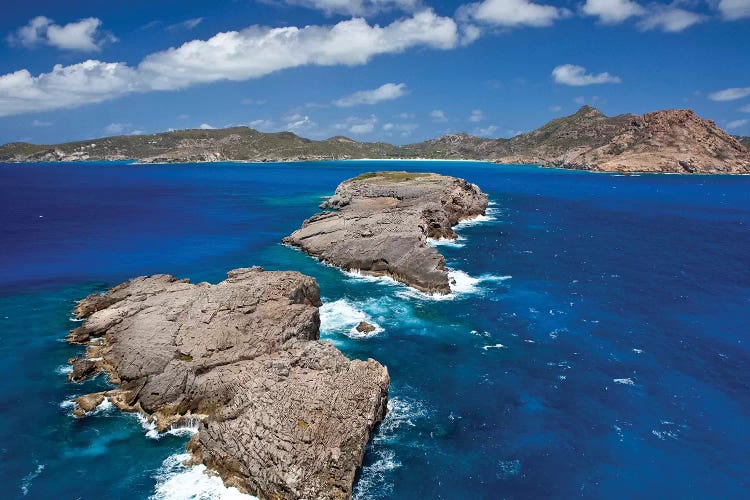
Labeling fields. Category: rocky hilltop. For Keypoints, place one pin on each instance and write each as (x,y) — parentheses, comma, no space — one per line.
(677,141)
(282,414)
(379,224)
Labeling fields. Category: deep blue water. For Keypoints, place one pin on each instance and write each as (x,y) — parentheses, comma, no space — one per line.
(599,348)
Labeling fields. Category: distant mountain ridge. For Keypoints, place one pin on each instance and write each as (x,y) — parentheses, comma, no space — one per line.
(662,141)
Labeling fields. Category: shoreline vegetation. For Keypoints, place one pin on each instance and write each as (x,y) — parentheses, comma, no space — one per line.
(670,141)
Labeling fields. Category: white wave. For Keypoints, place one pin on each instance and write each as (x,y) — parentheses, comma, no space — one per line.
(496,346)
(188,426)
(340,316)
(446,242)
(64,370)
(623,381)
(461,284)
(103,407)
(176,481)
(67,404)
(401,412)
(373,479)
(76,320)
(28,478)
(490,215)
(148,425)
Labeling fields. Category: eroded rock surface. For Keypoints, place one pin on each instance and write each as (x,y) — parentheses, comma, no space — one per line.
(282,414)
(380,222)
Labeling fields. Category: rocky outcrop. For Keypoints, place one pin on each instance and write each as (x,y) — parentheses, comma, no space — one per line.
(379,224)
(282,414)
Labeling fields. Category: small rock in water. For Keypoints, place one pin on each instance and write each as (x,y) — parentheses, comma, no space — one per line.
(365,327)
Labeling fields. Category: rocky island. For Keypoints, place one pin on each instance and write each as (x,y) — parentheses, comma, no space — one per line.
(666,141)
(380,222)
(282,414)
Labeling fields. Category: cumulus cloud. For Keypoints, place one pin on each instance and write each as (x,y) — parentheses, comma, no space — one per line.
(386,92)
(235,55)
(730,94)
(476,116)
(732,10)
(570,74)
(206,126)
(438,115)
(745,109)
(737,123)
(612,11)
(83,35)
(300,123)
(356,7)
(669,18)
(511,13)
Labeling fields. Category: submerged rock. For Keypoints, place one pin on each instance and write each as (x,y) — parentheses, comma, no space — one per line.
(282,414)
(380,222)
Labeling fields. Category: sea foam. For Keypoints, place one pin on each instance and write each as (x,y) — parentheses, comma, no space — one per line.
(176,481)
(341,316)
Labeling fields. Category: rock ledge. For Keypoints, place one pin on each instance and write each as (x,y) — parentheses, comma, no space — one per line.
(282,414)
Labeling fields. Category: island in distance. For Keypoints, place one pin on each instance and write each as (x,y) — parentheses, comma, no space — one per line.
(669,141)
(282,414)
(380,222)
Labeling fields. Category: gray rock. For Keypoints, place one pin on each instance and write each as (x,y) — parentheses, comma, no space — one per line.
(365,327)
(380,222)
(282,414)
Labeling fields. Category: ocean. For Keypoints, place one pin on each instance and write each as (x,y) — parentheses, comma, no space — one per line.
(597,344)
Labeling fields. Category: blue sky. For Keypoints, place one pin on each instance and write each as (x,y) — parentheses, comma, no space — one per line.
(393,70)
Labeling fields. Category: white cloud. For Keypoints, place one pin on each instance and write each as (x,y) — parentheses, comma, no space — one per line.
(253,102)
(730,94)
(206,126)
(40,123)
(438,115)
(732,10)
(356,7)
(116,128)
(745,109)
(299,123)
(261,124)
(185,25)
(570,74)
(555,109)
(669,18)
(83,35)
(511,13)
(737,123)
(357,125)
(405,129)
(476,116)
(386,92)
(235,55)
(406,116)
(612,11)
(489,131)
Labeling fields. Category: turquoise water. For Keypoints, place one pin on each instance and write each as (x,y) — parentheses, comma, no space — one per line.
(597,346)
